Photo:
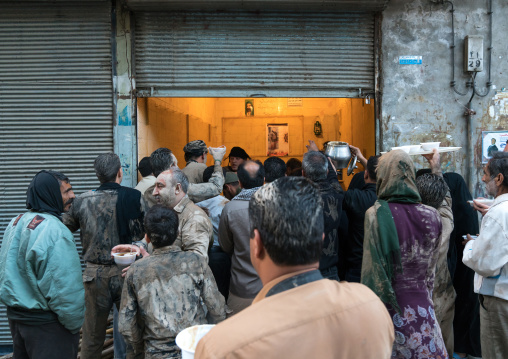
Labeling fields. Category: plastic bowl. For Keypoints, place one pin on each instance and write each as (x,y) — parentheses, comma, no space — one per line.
(485,201)
(403,148)
(187,340)
(415,148)
(429,146)
(124,258)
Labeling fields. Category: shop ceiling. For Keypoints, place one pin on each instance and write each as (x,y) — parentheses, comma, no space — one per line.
(337,5)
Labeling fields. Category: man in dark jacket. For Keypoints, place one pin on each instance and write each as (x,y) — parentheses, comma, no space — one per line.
(356,202)
(315,168)
(108,216)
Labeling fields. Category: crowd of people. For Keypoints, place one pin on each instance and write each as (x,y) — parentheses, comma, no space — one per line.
(284,260)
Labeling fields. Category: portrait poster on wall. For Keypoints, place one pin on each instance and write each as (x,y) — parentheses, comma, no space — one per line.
(249,107)
(493,141)
(277,139)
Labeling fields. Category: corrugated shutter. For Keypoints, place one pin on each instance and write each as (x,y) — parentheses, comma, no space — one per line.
(238,53)
(56,98)
(341,5)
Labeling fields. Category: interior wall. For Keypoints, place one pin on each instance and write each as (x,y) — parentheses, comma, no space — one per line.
(172,122)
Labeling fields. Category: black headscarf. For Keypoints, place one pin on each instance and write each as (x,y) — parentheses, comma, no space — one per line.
(128,207)
(44,195)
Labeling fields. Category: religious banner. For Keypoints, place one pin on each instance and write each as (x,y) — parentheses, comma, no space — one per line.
(493,141)
(277,139)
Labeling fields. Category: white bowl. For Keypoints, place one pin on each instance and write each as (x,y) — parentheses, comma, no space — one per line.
(485,201)
(124,258)
(187,340)
(403,148)
(415,148)
(429,146)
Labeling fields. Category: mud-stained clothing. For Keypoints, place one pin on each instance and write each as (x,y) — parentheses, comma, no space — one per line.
(197,192)
(194,171)
(94,213)
(195,230)
(157,304)
(332,209)
(444,295)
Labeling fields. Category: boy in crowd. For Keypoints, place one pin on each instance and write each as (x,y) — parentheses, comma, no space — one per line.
(163,293)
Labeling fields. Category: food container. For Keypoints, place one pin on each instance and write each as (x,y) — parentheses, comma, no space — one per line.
(403,148)
(429,146)
(415,148)
(187,340)
(484,201)
(124,258)
(340,153)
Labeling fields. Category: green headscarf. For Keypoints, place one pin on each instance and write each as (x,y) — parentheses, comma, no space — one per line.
(395,183)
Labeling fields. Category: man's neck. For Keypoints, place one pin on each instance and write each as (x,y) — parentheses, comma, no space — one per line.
(276,271)
(501,190)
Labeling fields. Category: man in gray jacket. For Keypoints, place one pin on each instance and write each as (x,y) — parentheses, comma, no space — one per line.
(234,234)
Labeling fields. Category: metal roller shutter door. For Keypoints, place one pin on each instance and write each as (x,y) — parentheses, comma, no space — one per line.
(240,53)
(56,98)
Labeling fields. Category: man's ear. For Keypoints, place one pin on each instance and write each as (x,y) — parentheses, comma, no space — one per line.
(365,175)
(258,248)
(147,239)
(499,179)
(178,188)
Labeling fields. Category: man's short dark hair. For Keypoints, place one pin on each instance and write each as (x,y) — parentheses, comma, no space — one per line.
(106,167)
(144,167)
(499,164)
(288,213)
(315,166)
(251,180)
(292,164)
(274,168)
(432,189)
(208,172)
(161,225)
(371,167)
(161,160)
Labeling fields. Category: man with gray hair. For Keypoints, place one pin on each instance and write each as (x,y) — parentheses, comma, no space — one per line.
(195,230)
(315,168)
(108,216)
(487,255)
(297,313)
(162,159)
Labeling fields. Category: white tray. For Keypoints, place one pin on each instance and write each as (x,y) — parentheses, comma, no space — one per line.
(440,150)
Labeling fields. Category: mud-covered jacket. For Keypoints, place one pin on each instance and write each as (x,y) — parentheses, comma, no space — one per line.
(157,304)
(40,269)
(94,213)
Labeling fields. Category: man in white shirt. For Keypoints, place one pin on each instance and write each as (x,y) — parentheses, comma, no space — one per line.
(145,170)
(487,255)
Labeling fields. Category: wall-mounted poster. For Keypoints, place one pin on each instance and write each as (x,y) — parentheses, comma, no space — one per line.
(249,107)
(277,139)
(493,141)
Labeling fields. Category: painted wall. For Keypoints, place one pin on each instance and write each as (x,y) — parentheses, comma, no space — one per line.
(418,103)
(172,122)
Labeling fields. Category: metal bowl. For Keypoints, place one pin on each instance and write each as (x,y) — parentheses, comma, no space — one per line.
(339,152)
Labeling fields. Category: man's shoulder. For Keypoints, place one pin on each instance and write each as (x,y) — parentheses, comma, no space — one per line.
(324,304)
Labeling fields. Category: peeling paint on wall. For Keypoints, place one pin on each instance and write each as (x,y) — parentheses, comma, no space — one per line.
(418,103)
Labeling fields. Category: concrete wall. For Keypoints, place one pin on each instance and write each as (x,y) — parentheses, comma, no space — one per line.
(418,103)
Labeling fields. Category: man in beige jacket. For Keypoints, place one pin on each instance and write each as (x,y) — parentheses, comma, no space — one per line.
(298,313)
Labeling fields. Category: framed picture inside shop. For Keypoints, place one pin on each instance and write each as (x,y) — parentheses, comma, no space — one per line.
(277,139)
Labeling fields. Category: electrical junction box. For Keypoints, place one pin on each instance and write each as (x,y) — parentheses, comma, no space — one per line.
(473,54)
